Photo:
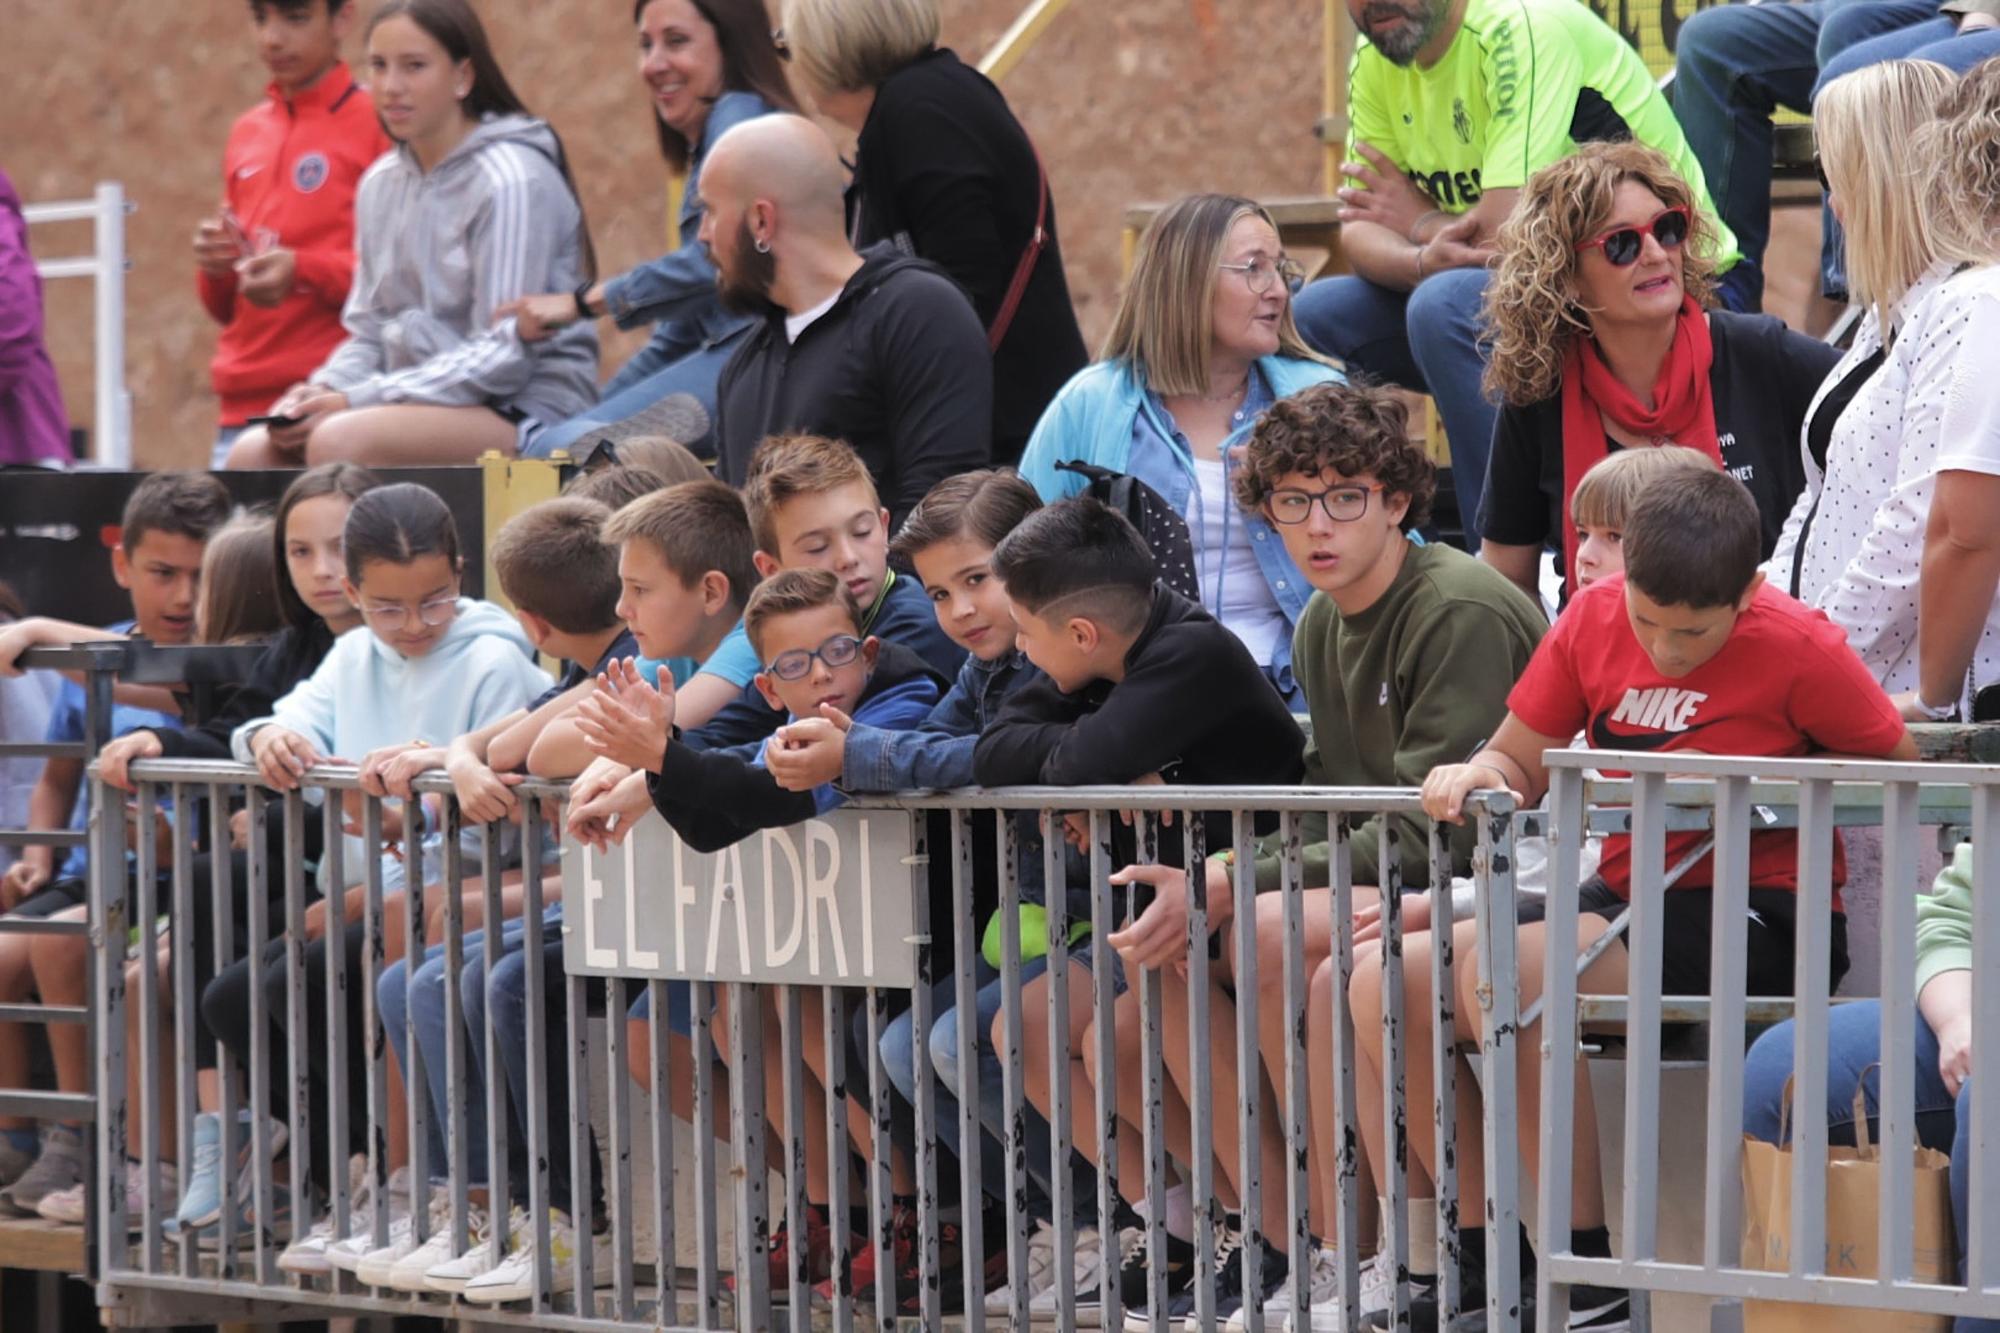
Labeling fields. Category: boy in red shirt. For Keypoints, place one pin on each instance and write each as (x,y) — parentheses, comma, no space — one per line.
(1690,652)
(274,263)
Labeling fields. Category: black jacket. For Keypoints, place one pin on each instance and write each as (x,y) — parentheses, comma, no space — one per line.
(1194,707)
(898,368)
(944,170)
(713,798)
(289,658)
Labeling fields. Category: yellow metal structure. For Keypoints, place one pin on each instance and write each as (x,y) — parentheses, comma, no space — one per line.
(1006,53)
(511,485)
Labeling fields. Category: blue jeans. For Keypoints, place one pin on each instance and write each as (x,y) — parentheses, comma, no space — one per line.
(1734,66)
(655,372)
(1854,1042)
(508,1012)
(1428,340)
(402,997)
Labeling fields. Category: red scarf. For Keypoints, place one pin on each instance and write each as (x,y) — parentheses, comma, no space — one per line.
(1684,411)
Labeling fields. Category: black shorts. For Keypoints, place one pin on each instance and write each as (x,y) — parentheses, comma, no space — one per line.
(1772,926)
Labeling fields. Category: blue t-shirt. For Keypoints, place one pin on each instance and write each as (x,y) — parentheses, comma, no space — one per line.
(66,726)
(574,675)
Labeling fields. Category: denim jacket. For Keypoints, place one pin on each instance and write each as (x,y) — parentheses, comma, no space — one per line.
(1108,416)
(677,291)
(937,754)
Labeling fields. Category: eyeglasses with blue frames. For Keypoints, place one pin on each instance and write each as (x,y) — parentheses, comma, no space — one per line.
(1259,273)
(1622,245)
(1290,505)
(797,664)
(438,611)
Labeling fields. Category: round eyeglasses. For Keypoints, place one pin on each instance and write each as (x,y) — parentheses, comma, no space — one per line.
(437,611)
(1261,272)
(837,651)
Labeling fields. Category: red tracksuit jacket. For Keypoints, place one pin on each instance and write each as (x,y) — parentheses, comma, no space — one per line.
(292,168)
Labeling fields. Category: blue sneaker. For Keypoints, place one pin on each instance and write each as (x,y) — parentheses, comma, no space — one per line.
(277,1230)
(201,1198)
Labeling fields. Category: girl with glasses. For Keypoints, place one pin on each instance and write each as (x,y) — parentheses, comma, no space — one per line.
(1603,339)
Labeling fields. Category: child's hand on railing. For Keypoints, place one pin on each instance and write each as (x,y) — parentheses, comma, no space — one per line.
(484,795)
(808,753)
(608,817)
(1448,785)
(628,719)
(282,755)
(387,771)
(114,760)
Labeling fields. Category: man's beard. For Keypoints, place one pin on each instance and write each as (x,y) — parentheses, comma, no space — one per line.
(744,283)
(1401,46)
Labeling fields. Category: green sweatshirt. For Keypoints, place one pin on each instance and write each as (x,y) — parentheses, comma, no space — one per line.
(1944,921)
(1416,680)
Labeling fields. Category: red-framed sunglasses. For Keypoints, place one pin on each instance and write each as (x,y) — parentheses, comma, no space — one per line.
(1622,245)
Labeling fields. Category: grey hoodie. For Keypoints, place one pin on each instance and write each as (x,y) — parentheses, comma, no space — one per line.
(438,253)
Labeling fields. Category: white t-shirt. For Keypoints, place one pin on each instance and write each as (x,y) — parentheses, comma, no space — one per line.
(1232,586)
(1932,406)
(799,323)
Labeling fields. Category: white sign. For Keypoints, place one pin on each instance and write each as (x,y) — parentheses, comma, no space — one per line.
(825,902)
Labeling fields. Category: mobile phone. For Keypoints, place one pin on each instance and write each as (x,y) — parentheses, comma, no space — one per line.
(274,422)
(237,236)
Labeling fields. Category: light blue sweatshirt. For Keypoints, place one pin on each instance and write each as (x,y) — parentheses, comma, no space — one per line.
(366,694)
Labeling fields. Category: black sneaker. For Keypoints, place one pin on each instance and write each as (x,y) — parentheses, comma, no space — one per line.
(1423,1306)
(1471,1317)
(1229,1252)
(1599,1310)
(1177,1263)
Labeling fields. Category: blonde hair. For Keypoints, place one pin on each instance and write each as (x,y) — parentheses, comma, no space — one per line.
(1531,304)
(842,46)
(1165,321)
(1963,146)
(1865,122)
(673,461)
(1604,496)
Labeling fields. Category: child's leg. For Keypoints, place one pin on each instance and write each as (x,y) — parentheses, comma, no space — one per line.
(162,1094)
(61,965)
(407,435)
(818,1153)
(682,1052)
(1323,1151)
(1223,1090)
(17,983)
(1365,1000)
(1128,1041)
(508,1013)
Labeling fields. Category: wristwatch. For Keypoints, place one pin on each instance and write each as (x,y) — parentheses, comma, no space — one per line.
(582,298)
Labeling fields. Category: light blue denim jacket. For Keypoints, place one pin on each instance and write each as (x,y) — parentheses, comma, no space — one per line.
(1107,416)
(677,291)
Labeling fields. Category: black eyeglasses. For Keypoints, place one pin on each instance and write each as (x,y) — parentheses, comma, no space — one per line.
(1622,245)
(1343,504)
(1819,170)
(837,651)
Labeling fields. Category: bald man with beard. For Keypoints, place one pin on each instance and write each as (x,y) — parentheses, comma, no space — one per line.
(876,348)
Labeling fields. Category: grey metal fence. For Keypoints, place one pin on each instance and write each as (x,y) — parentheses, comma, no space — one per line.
(681,1274)
(1730,799)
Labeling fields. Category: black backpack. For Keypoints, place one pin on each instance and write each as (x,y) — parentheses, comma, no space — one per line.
(1165,531)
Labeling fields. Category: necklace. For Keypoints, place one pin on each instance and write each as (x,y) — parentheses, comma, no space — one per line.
(1229,396)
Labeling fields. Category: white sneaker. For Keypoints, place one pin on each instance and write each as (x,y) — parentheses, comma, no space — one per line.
(514,1278)
(1087,1281)
(375,1265)
(1040,1276)
(1322,1298)
(408,1273)
(69,1206)
(347,1252)
(452,1276)
(1378,1284)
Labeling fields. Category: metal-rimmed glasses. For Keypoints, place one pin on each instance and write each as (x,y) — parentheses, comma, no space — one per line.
(1290,505)
(438,611)
(1258,273)
(837,651)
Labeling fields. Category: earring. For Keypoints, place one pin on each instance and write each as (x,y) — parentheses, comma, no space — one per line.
(762,246)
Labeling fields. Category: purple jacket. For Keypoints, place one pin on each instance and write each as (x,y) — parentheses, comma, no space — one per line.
(33,426)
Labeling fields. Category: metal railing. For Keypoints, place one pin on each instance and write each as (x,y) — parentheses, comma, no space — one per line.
(659,1266)
(105,266)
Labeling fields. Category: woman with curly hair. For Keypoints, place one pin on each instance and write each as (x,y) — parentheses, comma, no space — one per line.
(1601,341)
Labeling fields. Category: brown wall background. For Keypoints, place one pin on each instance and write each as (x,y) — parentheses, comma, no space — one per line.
(1128,100)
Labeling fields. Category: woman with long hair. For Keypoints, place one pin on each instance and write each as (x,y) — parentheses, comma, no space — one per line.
(474,209)
(1602,340)
(943,170)
(707,65)
(1202,343)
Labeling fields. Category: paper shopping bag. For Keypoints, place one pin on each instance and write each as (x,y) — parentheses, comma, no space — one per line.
(1854,1180)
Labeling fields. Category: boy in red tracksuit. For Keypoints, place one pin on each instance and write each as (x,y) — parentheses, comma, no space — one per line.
(275,261)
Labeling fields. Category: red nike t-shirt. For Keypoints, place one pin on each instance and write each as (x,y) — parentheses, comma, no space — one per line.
(1785,684)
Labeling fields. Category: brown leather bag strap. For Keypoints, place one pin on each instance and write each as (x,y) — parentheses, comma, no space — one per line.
(1024,270)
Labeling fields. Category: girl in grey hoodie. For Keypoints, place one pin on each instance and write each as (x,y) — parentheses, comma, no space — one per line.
(473,209)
